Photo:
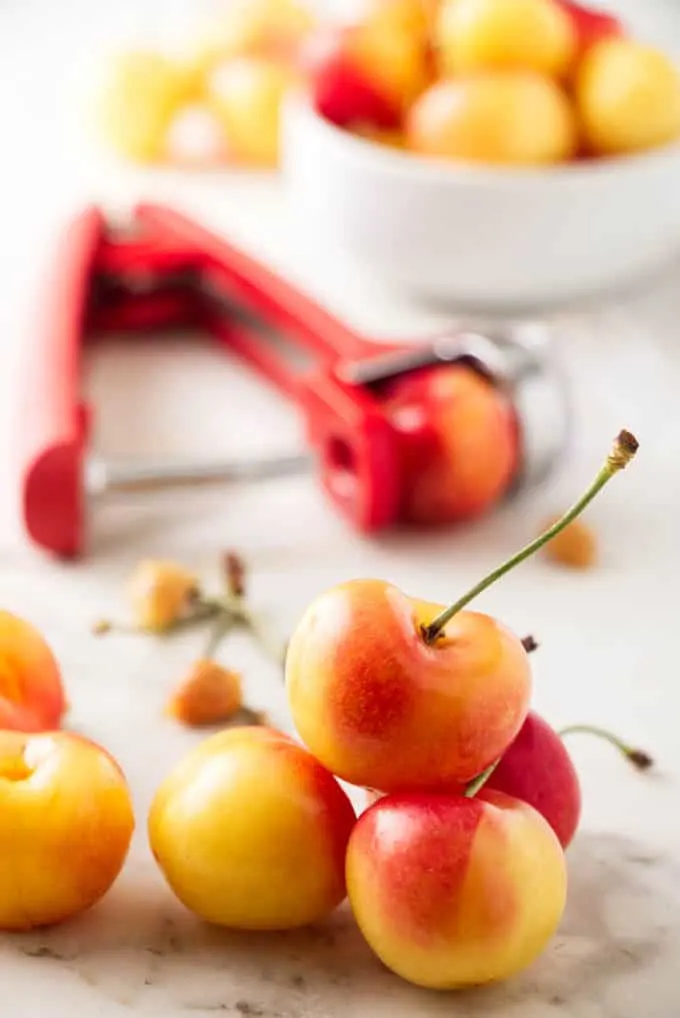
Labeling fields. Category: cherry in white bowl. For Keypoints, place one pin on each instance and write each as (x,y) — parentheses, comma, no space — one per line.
(478,235)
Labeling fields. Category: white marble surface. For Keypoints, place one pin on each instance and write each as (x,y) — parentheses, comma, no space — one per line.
(608,639)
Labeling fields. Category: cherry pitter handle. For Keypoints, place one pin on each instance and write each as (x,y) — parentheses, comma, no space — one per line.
(164,271)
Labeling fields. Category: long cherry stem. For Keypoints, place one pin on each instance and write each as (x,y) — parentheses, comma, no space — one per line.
(637,757)
(625,447)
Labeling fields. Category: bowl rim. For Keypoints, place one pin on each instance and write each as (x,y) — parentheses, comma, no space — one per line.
(350,146)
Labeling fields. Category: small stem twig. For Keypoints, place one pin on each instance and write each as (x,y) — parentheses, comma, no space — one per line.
(234,574)
(639,758)
(224,623)
(201,611)
(235,608)
(624,449)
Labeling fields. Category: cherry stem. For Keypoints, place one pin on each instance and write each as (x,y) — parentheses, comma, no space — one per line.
(220,630)
(234,574)
(624,449)
(637,757)
(478,783)
(232,610)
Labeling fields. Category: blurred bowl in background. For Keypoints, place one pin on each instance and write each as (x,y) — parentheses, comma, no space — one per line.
(478,236)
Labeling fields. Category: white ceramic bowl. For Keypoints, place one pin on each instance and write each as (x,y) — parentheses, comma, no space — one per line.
(481,236)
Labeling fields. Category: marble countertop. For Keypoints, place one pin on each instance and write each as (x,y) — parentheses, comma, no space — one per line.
(607,644)
(608,638)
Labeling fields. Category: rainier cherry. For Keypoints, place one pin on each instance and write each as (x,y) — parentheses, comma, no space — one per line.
(382,705)
(484,117)
(246,95)
(628,97)
(505,35)
(460,454)
(398,694)
(32,696)
(250,832)
(452,891)
(141,96)
(66,822)
(537,769)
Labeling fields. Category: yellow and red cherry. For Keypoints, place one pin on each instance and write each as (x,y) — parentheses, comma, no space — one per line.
(396,693)
(452,891)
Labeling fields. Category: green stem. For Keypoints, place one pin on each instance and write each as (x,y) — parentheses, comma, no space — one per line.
(638,757)
(235,608)
(259,630)
(220,629)
(478,783)
(200,613)
(624,449)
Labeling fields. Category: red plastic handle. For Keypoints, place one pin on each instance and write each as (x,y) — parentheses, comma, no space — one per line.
(357,446)
(357,457)
(359,462)
(268,295)
(52,424)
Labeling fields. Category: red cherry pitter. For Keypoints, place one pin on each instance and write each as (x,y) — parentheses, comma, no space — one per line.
(164,271)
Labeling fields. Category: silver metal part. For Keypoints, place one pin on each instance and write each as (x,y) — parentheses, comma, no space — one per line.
(536,384)
(478,350)
(102,477)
